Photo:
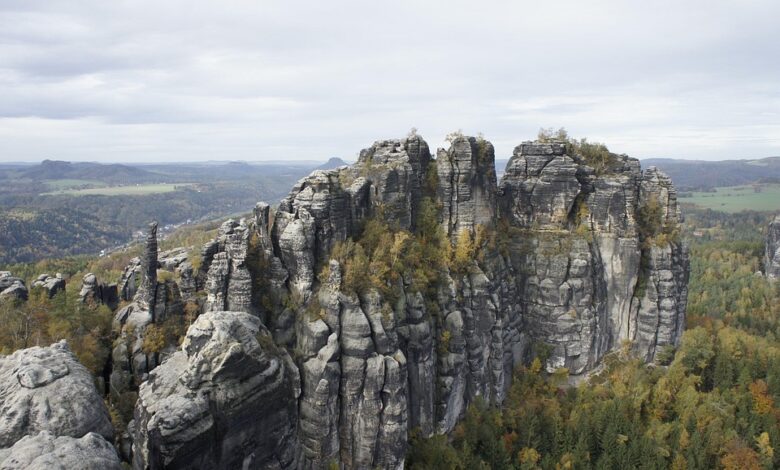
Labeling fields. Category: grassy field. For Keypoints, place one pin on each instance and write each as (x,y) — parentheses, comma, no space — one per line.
(764,197)
(63,184)
(130,190)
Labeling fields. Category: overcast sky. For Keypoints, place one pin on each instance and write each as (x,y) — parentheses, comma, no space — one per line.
(168,80)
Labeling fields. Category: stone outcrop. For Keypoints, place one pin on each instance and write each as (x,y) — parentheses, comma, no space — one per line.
(228,282)
(153,303)
(52,284)
(578,254)
(147,291)
(467,184)
(226,400)
(177,261)
(12,287)
(95,293)
(130,280)
(47,389)
(46,451)
(772,258)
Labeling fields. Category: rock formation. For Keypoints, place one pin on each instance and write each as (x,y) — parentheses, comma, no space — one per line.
(579,253)
(12,287)
(147,291)
(177,261)
(228,281)
(130,280)
(47,389)
(226,400)
(46,451)
(772,258)
(52,284)
(467,184)
(94,292)
(153,303)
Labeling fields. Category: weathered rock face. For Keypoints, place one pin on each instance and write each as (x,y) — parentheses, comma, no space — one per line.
(228,283)
(12,287)
(145,297)
(584,258)
(33,381)
(396,171)
(226,400)
(130,280)
(47,451)
(583,285)
(94,292)
(177,261)
(772,258)
(52,284)
(467,184)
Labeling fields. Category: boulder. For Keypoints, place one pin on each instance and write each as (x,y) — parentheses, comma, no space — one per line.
(12,287)
(46,451)
(52,284)
(47,389)
(227,399)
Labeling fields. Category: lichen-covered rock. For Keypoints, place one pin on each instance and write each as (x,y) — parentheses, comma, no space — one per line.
(47,451)
(52,284)
(772,258)
(226,400)
(12,287)
(47,389)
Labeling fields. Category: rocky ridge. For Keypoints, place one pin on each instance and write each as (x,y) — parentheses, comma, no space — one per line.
(572,255)
(309,350)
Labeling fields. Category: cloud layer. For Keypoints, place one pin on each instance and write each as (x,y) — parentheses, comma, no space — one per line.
(139,80)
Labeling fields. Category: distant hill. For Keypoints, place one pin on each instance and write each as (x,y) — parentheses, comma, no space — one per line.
(110,173)
(691,175)
(334,162)
(40,217)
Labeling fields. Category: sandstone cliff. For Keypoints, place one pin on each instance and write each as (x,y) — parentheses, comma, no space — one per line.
(404,287)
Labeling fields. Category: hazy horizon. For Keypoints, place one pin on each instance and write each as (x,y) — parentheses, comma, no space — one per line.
(145,82)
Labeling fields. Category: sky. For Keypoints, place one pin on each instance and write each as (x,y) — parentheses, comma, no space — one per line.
(174,80)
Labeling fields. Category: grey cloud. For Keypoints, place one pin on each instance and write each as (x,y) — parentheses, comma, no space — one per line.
(91,80)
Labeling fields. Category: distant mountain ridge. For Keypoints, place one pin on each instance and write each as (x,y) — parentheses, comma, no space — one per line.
(109,173)
(704,175)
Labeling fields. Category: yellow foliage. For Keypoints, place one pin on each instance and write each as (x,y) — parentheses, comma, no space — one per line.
(528,455)
(154,339)
(762,401)
(465,250)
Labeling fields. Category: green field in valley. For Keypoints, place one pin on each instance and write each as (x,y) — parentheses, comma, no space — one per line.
(66,183)
(129,190)
(759,197)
